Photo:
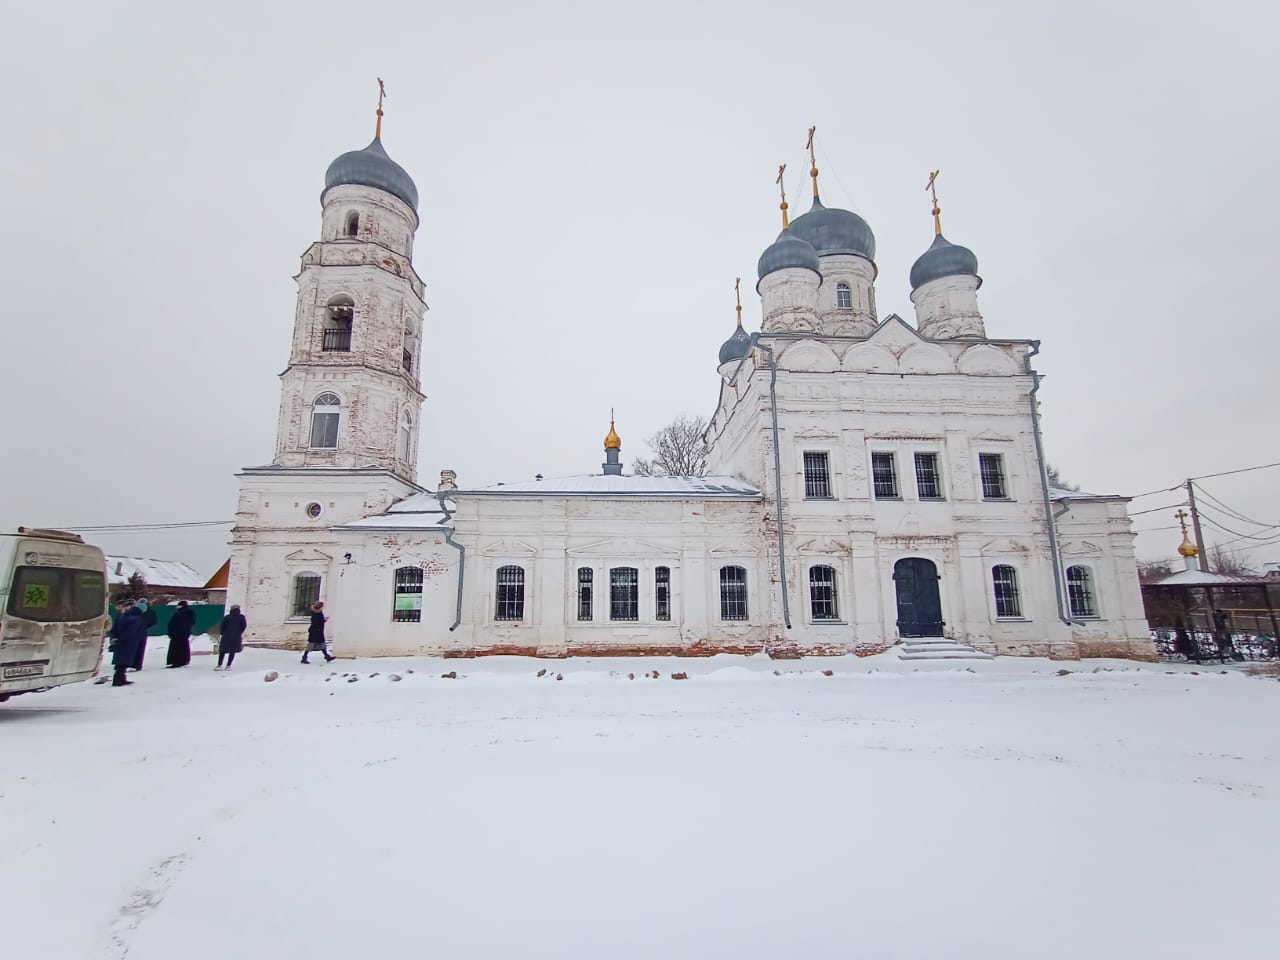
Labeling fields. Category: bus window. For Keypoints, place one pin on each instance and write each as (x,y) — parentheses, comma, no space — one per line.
(57,594)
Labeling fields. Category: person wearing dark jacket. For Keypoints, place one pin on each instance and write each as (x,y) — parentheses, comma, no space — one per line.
(180,626)
(148,621)
(232,640)
(315,634)
(130,634)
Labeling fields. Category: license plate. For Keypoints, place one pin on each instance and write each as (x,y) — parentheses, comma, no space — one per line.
(25,670)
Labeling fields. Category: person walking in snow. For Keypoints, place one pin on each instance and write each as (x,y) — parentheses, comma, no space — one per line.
(130,633)
(315,634)
(232,639)
(180,626)
(149,621)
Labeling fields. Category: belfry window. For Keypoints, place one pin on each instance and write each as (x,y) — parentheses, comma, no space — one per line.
(406,434)
(339,313)
(844,298)
(353,224)
(326,412)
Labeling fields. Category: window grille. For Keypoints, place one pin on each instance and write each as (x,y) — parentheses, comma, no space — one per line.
(407,603)
(306,591)
(817,476)
(624,593)
(884,476)
(928,481)
(1080,592)
(1004,579)
(662,593)
(586,579)
(510,594)
(844,301)
(991,467)
(822,593)
(733,593)
(336,339)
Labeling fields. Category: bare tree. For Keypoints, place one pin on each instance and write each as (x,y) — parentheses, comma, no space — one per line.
(1232,561)
(678,450)
(1055,477)
(1149,571)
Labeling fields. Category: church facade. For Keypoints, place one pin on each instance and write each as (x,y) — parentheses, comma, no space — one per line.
(872,480)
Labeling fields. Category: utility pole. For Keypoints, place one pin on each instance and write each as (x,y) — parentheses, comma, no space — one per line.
(1195,525)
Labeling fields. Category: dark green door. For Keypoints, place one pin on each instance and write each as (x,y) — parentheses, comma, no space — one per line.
(919,605)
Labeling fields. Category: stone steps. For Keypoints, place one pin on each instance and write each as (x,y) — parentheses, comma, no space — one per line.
(939,648)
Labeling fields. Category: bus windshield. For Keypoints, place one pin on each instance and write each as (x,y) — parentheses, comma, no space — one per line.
(57,594)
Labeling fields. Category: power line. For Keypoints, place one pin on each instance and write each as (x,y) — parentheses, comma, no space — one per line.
(1227,473)
(1171,506)
(148,527)
(1234,513)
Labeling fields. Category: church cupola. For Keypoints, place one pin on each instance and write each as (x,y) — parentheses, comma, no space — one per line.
(944,285)
(789,278)
(738,345)
(612,466)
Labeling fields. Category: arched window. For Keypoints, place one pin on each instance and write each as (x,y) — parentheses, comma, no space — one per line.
(326,411)
(844,298)
(822,593)
(586,578)
(339,313)
(1004,580)
(733,593)
(353,224)
(624,593)
(510,593)
(1080,592)
(306,591)
(406,606)
(406,434)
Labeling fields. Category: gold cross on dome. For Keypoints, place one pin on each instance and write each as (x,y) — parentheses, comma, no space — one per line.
(782,189)
(1182,516)
(933,192)
(382,92)
(813,161)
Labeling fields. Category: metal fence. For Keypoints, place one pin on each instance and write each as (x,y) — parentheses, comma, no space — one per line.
(1240,646)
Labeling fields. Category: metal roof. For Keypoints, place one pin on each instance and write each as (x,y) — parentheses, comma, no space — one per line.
(599,485)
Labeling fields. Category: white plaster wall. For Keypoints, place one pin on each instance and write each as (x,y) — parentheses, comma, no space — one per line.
(384,219)
(789,300)
(948,307)
(859,273)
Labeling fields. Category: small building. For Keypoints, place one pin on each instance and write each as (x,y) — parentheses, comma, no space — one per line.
(166,579)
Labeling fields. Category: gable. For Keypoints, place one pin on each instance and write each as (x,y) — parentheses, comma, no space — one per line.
(509,548)
(308,555)
(617,547)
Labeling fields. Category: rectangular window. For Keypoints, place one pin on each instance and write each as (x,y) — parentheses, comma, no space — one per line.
(586,579)
(822,593)
(306,591)
(1080,592)
(57,595)
(991,467)
(733,593)
(662,593)
(1004,580)
(624,593)
(928,481)
(407,606)
(324,430)
(884,476)
(510,594)
(817,476)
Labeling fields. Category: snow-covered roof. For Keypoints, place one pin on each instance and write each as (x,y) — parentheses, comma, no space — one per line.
(600,485)
(418,512)
(157,573)
(1202,578)
(1058,492)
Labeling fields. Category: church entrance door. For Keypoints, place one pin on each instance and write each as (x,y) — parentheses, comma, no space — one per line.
(919,605)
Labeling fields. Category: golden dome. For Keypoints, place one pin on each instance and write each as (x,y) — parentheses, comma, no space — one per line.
(612,441)
(1187,548)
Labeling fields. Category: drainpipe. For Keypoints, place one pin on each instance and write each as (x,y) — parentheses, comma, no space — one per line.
(462,556)
(1049,518)
(777,476)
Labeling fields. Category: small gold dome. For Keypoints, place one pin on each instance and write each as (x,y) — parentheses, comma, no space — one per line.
(612,441)
(1187,548)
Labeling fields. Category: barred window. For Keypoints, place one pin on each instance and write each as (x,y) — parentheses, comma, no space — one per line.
(1080,593)
(884,476)
(817,476)
(928,481)
(822,593)
(407,602)
(306,591)
(662,593)
(624,593)
(1004,579)
(586,580)
(733,593)
(991,467)
(843,299)
(510,593)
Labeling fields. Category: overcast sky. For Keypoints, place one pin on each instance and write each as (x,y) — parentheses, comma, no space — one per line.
(593,176)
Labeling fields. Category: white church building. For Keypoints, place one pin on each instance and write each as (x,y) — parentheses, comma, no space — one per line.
(873,480)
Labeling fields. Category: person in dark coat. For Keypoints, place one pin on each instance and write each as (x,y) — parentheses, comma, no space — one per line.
(232,640)
(180,626)
(130,634)
(1222,633)
(315,634)
(149,621)
(1184,644)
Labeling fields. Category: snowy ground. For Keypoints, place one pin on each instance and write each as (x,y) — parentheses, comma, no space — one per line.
(911,811)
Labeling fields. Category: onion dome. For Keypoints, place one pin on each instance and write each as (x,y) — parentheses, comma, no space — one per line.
(371,167)
(612,441)
(943,259)
(1188,549)
(736,347)
(833,231)
(785,252)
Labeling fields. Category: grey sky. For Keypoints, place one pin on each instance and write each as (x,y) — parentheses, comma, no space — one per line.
(593,177)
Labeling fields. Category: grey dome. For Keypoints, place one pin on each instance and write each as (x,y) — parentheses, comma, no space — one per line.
(830,231)
(371,167)
(943,259)
(787,251)
(736,347)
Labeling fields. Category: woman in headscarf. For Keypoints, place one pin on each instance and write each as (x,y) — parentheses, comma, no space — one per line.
(180,626)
